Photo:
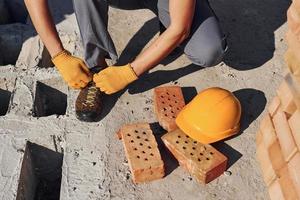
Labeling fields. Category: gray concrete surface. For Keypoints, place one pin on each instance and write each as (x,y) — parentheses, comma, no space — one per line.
(94,163)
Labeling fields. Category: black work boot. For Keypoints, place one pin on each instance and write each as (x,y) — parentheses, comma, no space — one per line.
(88,104)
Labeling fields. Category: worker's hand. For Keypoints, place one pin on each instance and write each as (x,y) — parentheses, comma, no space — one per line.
(73,69)
(114,78)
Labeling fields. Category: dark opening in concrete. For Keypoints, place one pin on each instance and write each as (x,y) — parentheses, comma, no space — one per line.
(49,101)
(41,174)
(4,101)
(45,62)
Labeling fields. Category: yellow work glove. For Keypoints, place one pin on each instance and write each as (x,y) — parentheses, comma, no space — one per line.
(73,69)
(113,79)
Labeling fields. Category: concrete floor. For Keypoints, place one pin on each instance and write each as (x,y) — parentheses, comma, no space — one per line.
(94,163)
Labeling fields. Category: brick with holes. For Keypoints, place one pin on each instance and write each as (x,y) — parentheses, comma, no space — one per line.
(142,152)
(203,162)
(168,102)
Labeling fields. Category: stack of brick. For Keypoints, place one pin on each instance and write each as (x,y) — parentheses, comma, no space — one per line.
(278,139)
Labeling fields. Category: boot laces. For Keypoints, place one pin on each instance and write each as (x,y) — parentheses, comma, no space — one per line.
(90,97)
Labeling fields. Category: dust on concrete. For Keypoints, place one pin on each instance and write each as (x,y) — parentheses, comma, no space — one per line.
(94,164)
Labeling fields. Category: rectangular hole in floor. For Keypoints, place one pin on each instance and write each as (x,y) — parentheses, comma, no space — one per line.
(4,99)
(49,101)
(41,174)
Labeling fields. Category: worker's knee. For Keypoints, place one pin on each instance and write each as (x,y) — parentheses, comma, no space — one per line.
(208,56)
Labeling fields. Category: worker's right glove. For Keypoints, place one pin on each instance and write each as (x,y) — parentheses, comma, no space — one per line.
(73,69)
(114,78)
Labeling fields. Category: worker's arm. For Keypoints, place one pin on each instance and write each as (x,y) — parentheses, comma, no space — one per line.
(43,23)
(181,14)
(113,79)
(73,70)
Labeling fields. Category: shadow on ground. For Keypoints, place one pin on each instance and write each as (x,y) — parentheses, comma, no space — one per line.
(170,161)
(232,154)
(253,103)
(250,26)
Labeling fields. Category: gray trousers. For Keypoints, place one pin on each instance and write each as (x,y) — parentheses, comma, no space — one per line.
(205,46)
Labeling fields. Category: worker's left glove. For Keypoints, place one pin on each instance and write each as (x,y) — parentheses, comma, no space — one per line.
(73,70)
(114,78)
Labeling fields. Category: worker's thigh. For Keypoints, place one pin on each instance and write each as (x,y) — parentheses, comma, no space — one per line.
(206,44)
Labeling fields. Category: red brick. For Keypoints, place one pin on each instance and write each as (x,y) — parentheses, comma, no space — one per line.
(284,135)
(268,131)
(293,20)
(266,167)
(276,157)
(294,170)
(286,184)
(275,191)
(294,123)
(142,152)
(286,97)
(294,86)
(168,102)
(203,162)
(274,105)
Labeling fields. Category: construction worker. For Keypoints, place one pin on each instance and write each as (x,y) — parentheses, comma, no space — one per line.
(191,25)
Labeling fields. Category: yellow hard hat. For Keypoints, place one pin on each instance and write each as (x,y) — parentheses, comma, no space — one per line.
(214,114)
